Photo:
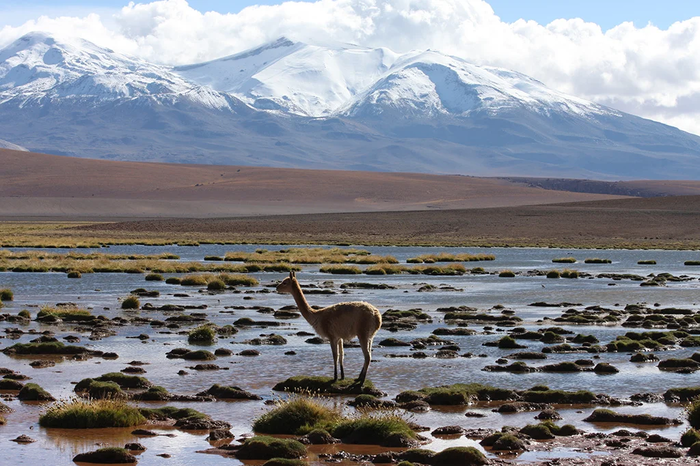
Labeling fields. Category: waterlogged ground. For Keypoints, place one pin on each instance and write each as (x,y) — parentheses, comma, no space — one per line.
(101,294)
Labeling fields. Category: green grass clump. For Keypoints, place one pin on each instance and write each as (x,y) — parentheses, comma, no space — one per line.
(297,415)
(675,363)
(537,431)
(74,274)
(68,314)
(463,394)
(6,294)
(111,455)
(55,347)
(340,269)
(154,277)
(567,273)
(33,392)
(318,384)
(553,274)
(91,414)
(238,279)
(193,280)
(646,262)
(506,274)
(689,437)
(385,269)
(565,260)
(199,355)
(131,302)
(608,415)
(216,285)
(597,260)
(9,384)
(173,281)
(104,390)
(452,269)
(508,342)
(372,428)
(458,456)
(204,335)
(265,448)
(170,412)
(447,257)
(691,263)
(693,413)
(124,380)
(24,313)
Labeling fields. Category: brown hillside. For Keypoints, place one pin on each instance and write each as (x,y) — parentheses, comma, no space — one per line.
(34,184)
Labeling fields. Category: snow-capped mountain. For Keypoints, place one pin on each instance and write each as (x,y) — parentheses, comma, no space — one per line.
(340,106)
(294,77)
(37,68)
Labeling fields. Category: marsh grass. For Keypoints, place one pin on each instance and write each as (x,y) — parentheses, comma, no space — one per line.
(310,256)
(204,335)
(226,279)
(447,257)
(104,263)
(265,448)
(564,260)
(385,269)
(506,274)
(6,294)
(298,415)
(68,314)
(171,412)
(597,260)
(372,427)
(78,413)
(340,269)
(646,262)
(44,348)
(131,302)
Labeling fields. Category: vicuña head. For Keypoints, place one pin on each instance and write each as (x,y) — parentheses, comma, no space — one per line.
(338,322)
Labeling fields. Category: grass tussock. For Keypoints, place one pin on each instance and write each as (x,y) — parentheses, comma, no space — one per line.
(68,314)
(341,269)
(506,274)
(91,414)
(372,427)
(447,257)
(646,262)
(204,335)
(298,415)
(131,302)
(6,294)
(223,278)
(564,260)
(597,260)
(265,448)
(693,414)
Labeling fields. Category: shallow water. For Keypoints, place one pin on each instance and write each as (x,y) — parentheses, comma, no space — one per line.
(101,293)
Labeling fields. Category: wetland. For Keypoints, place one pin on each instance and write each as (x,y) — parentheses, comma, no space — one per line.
(192,348)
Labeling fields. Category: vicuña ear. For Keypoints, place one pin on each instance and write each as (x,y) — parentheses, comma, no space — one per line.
(292,274)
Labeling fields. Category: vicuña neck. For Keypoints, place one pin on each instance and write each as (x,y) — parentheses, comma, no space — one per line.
(300,299)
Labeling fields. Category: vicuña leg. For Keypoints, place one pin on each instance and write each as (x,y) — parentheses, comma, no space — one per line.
(366,345)
(341,355)
(334,349)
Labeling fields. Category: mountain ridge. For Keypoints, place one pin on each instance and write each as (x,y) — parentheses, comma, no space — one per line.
(291,104)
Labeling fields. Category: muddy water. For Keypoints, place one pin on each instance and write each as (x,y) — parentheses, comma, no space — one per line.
(101,292)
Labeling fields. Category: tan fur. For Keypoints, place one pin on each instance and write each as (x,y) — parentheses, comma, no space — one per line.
(338,322)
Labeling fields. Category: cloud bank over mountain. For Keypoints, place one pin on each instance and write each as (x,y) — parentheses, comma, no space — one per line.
(646,71)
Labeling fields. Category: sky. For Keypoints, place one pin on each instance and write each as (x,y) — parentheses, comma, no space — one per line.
(642,56)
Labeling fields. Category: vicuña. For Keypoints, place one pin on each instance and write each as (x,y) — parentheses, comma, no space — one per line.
(342,321)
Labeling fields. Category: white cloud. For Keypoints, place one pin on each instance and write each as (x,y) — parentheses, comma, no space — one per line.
(648,71)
